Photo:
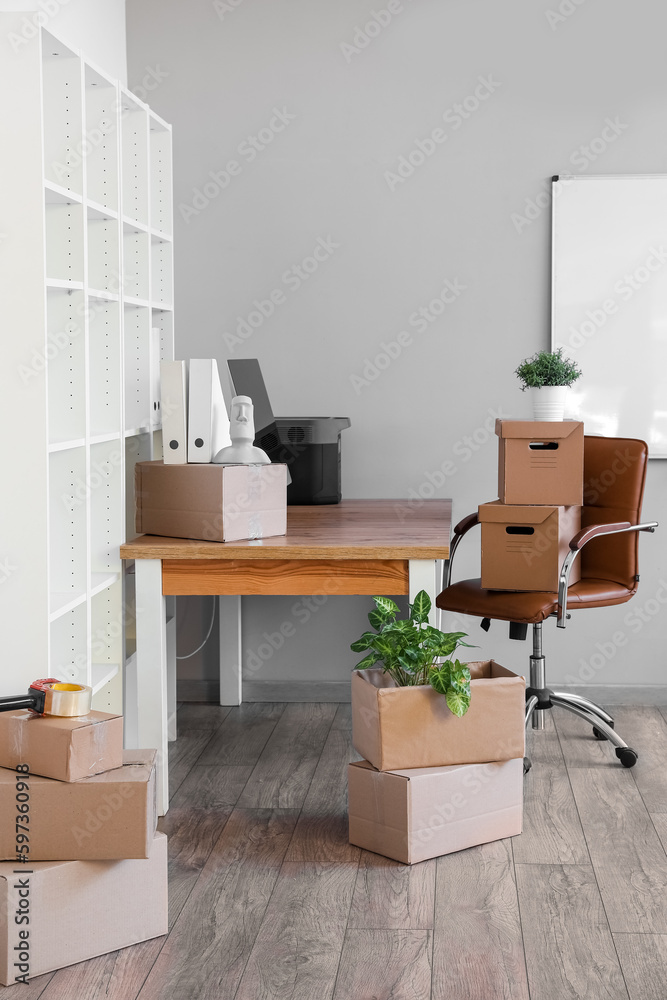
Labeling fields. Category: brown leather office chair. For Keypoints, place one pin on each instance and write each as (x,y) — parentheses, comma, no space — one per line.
(614,476)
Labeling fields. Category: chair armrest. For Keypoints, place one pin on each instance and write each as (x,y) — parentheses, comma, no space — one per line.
(586,534)
(577,544)
(466,524)
(459,531)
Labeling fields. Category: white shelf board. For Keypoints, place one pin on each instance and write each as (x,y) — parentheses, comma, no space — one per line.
(155,119)
(53,47)
(157,305)
(103,438)
(100,582)
(64,283)
(128,300)
(131,432)
(101,674)
(61,603)
(157,236)
(96,77)
(96,211)
(132,226)
(100,293)
(55,194)
(66,445)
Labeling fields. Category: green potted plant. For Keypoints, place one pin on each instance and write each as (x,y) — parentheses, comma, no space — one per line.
(413,705)
(408,649)
(548,375)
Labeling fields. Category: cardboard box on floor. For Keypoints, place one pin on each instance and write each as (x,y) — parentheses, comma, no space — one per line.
(66,749)
(107,816)
(414,814)
(540,462)
(78,909)
(215,503)
(523,548)
(406,727)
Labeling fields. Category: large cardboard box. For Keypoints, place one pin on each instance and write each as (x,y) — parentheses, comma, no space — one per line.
(107,816)
(216,503)
(406,727)
(66,749)
(523,548)
(414,814)
(540,462)
(76,910)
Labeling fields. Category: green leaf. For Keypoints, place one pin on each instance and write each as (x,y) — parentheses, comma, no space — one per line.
(458,702)
(420,609)
(407,663)
(404,625)
(387,605)
(368,661)
(439,678)
(384,646)
(378,619)
(365,642)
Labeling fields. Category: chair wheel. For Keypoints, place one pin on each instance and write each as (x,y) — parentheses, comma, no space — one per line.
(627,756)
(527,764)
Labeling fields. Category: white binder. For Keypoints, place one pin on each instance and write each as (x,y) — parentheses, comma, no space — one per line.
(208,421)
(173,399)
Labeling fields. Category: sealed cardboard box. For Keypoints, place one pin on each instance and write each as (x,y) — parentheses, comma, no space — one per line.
(66,749)
(540,462)
(414,814)
(215,503)
(406,727)
(523,548)
(75,910)
(107,816)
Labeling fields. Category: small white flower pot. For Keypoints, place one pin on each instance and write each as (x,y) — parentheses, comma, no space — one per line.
(549,402)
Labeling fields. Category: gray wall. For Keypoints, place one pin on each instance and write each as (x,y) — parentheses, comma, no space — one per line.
(341,107)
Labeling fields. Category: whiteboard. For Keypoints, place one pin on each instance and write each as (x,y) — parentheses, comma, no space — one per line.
(609,302)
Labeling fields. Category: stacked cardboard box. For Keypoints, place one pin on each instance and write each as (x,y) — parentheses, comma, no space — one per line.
(526,532)
(216,503)
(82,869)
(432,783)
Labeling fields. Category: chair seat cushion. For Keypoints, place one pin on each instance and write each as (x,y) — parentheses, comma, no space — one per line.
(468,597)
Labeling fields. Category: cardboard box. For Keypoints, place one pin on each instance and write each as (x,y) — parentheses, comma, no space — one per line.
(216,503)
(523,548)
(107,816)
(414,814)
(541,462)
(406,727)
(67,749)
(78,909)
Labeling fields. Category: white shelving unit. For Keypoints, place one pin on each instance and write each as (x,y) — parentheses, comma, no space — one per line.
(86,254)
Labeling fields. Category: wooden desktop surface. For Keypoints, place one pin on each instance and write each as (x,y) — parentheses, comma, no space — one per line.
(354,547)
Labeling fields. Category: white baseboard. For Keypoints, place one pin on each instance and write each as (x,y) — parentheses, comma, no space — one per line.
(329,691)
(618,694)
(339,691)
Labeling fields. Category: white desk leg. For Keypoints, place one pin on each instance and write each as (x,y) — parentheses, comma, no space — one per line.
(425,574)
(231,653)
(152,670)
(170,603)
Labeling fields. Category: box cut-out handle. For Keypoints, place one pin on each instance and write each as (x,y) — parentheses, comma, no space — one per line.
(519,529)
(543,445)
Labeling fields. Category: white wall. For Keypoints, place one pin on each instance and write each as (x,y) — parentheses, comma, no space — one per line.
(472,214)
(95,27)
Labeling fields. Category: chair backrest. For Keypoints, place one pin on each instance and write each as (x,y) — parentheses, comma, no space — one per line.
(614,477)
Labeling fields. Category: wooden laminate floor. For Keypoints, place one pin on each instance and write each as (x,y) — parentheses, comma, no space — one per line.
(268,901)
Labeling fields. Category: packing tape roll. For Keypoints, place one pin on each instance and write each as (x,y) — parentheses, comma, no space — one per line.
(67,700)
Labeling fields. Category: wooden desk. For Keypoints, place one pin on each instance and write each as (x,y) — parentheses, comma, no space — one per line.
(355,547)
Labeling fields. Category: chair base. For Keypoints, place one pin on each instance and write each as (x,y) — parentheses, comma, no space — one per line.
(540,698)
